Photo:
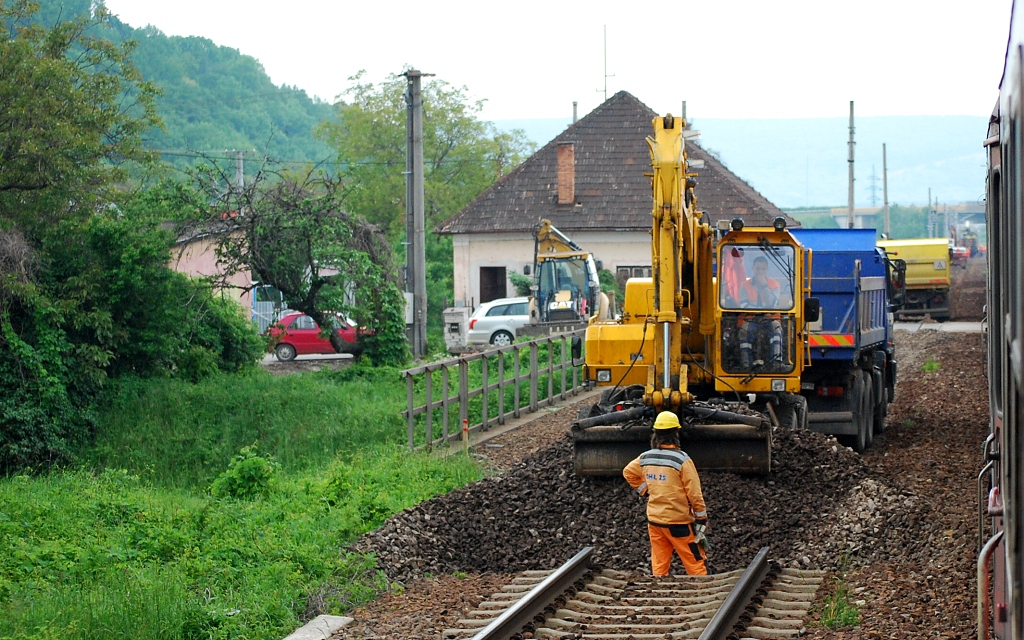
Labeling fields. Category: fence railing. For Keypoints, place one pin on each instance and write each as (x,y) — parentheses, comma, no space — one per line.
(487,389)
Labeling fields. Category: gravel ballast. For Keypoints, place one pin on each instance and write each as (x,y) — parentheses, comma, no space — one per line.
(895,525)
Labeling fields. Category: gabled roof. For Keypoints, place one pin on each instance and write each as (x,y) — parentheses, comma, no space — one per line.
(612,193)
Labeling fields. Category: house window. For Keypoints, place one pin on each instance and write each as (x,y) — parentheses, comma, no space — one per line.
(625,273)
(493,284)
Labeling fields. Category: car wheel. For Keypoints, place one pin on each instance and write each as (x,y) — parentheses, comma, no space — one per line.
(502,339)
(284,352)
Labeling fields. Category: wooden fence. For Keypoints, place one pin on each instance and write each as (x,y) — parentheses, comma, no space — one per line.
(544,367)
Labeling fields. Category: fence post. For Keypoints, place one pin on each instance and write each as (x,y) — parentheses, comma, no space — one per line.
(561,346)
(411,413)
(575,380)
(463,392)
(551,372)
(428,383)
(501,387)
(483,396)
(444,403)
(517,354)
(534,375)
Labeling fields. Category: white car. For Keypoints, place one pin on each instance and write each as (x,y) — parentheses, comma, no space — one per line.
(495,322)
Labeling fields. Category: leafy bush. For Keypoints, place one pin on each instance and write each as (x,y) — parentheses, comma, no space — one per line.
(248,476)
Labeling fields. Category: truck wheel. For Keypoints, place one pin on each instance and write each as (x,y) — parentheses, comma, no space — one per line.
(857,405)
(868,413)
(881,409)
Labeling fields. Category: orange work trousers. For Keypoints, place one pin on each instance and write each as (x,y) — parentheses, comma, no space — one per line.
(662,546)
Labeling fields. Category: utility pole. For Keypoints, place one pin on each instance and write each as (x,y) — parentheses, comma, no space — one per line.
(885,190)
(239,171)
(849,204)
(416,257)
(931,215)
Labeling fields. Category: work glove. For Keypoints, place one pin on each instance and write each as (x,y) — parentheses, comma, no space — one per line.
(701,536)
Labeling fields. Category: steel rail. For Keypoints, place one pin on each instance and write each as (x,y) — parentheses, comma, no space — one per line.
(537,599)
(729,613)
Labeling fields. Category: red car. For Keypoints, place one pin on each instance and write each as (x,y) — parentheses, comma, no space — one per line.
(297,334)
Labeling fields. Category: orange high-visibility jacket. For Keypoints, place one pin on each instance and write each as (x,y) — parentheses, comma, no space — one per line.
(669,479)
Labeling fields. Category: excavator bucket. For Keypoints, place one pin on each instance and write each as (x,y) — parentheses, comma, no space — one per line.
(737,448)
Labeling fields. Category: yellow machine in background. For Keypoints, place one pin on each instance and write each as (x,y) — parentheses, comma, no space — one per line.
(566,292)
(714,350)
(928,276)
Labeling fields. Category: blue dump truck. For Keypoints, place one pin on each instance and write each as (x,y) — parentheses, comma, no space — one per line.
(852,376)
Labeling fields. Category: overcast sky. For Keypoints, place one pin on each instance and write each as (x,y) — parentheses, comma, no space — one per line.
(532,59)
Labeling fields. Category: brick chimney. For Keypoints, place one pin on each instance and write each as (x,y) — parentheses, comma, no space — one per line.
(566,173)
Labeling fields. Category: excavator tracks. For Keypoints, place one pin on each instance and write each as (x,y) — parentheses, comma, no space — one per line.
(578,602)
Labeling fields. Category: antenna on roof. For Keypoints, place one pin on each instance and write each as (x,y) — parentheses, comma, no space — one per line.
(606,75)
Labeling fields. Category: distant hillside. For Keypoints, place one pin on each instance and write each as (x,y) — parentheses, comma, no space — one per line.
(803,162)
(214,98)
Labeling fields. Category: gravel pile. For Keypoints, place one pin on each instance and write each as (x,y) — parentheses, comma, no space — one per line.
(896,526)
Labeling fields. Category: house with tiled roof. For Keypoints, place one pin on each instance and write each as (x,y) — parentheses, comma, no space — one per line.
(589,181)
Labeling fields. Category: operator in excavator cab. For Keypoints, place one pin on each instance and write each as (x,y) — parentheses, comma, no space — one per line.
(676,515)
(760,291)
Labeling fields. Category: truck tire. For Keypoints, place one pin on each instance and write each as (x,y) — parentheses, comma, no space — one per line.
(857,442)
(868,413)
(881,405)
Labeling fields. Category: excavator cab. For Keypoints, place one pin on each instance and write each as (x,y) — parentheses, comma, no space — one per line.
(759,312)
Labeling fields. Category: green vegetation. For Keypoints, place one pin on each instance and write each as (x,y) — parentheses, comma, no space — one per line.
(155,483)
(232,510)
(182,434)
(837,611)
(931,366)
(907,222)
(463,155)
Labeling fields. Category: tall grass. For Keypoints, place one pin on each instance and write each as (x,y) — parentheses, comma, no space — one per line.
(183,434)
(111,555)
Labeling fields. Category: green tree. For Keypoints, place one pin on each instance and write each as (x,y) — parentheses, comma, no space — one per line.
(463,155)
(907,222)
(292,233)
(85,287)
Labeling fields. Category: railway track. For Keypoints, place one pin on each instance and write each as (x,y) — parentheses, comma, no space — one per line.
(580,602)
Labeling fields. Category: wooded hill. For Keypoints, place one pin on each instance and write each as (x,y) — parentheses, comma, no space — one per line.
(213,98)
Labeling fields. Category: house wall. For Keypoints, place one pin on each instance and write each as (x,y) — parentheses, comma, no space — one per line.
(514,250)
(198,258)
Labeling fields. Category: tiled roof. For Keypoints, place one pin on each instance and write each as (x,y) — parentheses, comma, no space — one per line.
(612,193)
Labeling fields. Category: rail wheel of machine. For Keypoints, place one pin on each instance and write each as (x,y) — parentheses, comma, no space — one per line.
(868,413)
(882,406)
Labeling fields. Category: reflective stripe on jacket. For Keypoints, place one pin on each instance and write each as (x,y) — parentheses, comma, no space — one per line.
(669,479)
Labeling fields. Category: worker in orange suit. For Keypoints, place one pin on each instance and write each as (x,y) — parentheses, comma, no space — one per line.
(676,515)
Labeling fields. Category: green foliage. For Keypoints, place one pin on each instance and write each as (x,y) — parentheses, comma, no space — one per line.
(185,434)
(931,366)
(248,476)
(837,611)
(294,235)
(463,155)
(87,555)
(521,283)
(72,110)
(907,222)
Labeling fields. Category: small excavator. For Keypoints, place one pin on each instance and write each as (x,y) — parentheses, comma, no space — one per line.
(566,292)
(717,335)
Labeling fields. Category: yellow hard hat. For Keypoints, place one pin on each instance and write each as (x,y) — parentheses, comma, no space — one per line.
(666,420)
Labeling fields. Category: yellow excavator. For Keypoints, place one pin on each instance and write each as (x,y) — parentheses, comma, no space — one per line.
(717,335)
(566,292)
